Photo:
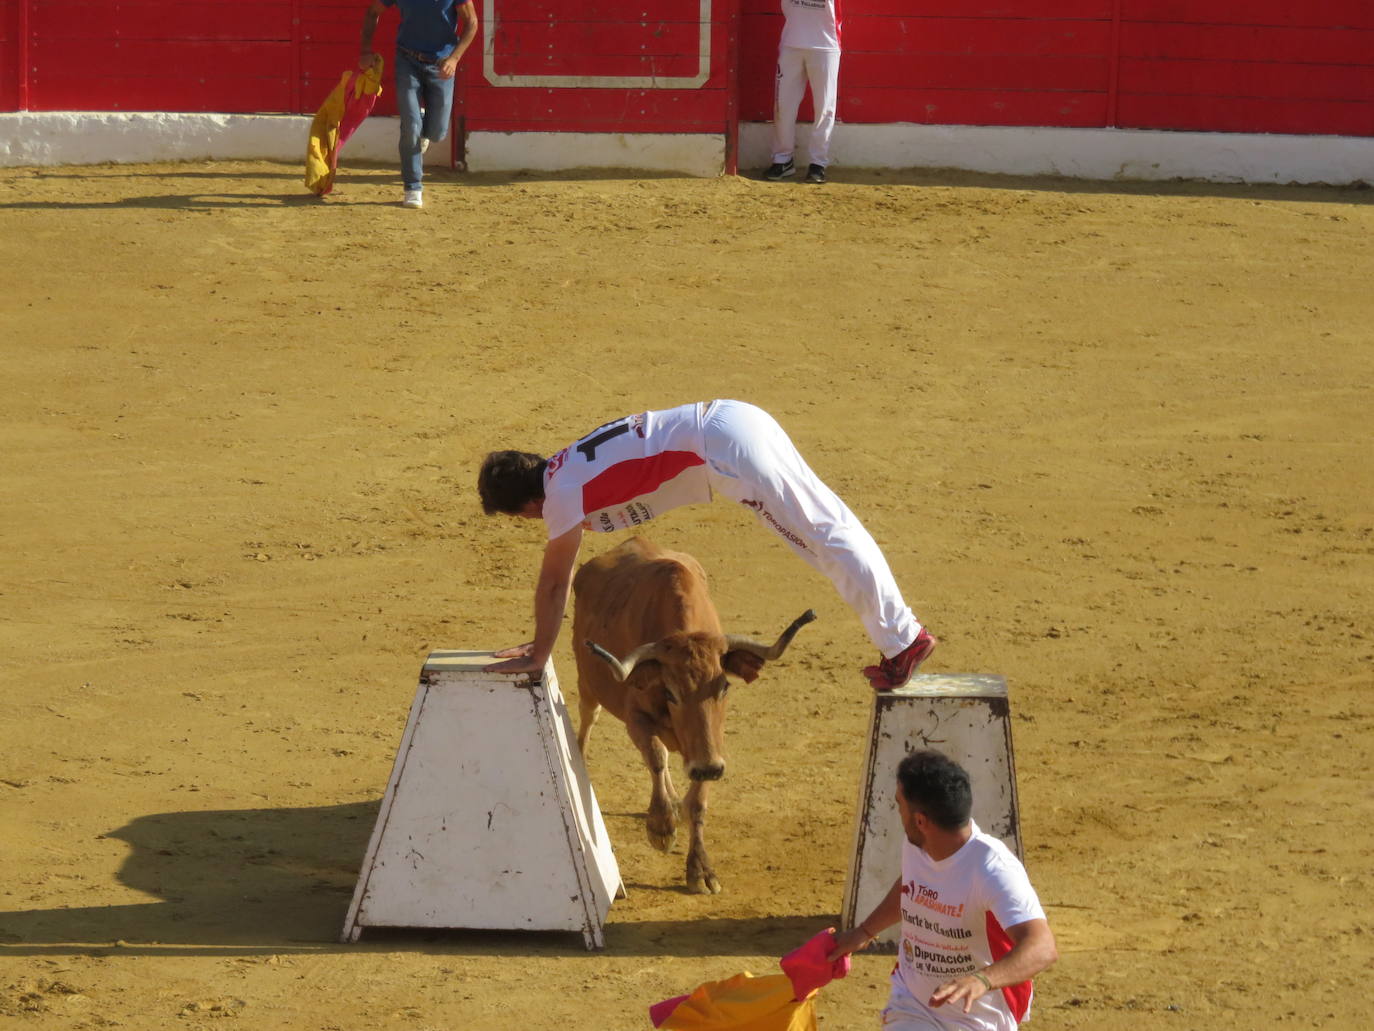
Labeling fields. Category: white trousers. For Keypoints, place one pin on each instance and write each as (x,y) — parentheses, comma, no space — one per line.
(796,67)
(751,460)
(905,1013)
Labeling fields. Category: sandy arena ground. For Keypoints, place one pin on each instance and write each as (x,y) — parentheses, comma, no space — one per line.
(1116,441)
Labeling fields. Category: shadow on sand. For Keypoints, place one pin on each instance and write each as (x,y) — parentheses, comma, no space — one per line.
(269,881)
(375,174)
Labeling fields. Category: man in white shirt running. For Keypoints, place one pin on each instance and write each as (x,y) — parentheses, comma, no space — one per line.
(973,932)
(808,51)
(626,472)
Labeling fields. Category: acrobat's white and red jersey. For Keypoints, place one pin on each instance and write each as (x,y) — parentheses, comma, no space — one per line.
(623,474)
(954,912)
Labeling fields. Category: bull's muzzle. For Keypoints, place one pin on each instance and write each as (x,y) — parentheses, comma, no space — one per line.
(706,771)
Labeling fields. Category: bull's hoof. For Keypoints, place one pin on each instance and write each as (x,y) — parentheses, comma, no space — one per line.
(701,878)
(662,840)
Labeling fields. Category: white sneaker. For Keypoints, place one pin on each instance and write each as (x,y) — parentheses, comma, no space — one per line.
(413,199)
(424,144)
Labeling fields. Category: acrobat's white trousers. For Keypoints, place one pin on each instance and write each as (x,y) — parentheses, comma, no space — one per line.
(797,66)
(751,460)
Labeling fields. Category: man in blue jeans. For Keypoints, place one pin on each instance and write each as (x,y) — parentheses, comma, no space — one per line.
(429,46)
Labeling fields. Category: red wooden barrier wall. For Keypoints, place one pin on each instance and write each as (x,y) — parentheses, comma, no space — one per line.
(646,65)
(11,61)
(1248,66)
(1219,65)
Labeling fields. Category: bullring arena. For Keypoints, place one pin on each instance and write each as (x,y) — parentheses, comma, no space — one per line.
(1113,437)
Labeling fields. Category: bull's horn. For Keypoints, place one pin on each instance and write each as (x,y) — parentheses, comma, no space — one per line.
(763,651)
(621,669)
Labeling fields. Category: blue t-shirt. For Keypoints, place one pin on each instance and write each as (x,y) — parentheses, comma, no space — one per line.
(429,27)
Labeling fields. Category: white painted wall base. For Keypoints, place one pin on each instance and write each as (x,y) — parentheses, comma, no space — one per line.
(1104,154)
(696,154)
(93,138)
(82,138)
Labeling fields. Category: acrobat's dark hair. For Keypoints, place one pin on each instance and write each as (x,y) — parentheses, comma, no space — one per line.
(937,786)
(509,480)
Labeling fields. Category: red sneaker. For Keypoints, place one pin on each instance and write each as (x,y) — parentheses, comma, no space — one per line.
(896,671)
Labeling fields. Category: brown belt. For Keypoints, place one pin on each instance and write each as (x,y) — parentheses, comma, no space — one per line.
(415,55)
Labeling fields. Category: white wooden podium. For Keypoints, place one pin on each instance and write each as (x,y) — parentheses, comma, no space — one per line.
(967,717)
(489,819)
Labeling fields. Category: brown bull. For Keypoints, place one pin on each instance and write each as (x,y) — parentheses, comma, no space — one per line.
(650,607)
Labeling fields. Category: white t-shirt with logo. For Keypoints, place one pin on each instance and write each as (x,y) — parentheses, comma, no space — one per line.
(953,915)
(623,474)
(811,24)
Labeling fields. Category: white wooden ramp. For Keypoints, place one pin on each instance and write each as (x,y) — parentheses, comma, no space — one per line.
(966,716)
(489,820)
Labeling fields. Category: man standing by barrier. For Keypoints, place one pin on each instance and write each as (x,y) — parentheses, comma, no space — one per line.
(428,49)
(630,470)
(973,933)
(809,50)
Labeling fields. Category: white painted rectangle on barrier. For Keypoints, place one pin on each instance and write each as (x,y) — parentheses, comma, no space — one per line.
(489,819)
(699,10)
(967,717)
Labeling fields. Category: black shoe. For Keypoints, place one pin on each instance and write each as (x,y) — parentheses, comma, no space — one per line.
(815,174)
(780,170)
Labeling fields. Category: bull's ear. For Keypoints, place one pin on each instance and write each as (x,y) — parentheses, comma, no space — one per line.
(745,665)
